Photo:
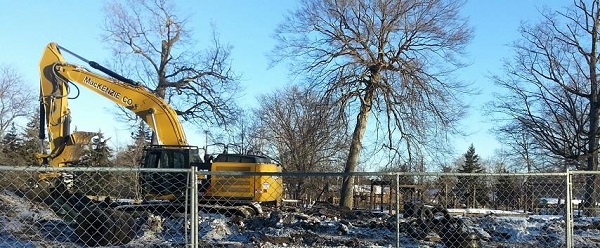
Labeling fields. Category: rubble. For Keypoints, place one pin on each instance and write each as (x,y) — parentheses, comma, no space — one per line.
(29,224)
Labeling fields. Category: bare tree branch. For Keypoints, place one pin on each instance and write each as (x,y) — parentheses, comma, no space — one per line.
(152,44)
(552,88)
(16,99)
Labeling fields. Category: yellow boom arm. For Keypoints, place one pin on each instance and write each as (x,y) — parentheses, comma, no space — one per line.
(65,147)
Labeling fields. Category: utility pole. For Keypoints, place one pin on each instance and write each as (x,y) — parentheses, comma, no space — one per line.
(205,142)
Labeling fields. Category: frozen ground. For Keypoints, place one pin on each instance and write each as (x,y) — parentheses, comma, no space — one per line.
(27,224)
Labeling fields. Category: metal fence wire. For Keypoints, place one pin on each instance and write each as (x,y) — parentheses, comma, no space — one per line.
(132,207)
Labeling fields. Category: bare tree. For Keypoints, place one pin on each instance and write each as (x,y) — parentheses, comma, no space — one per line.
(552,86)
(387,57)
(307,134)
(154,46)
(240,138)
(16,98)
(522,152)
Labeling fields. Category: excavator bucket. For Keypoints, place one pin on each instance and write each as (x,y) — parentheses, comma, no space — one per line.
(73,150)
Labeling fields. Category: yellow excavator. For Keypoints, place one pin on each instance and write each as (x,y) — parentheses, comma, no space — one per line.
(169,148)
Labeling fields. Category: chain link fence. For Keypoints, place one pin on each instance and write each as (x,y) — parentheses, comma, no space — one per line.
(127,207)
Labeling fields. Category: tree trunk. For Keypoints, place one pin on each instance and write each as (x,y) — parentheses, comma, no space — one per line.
(346,199)
(592,160)
(298,191)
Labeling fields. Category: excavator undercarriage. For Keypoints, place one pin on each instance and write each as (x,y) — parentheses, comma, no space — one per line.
(109,223)
(95,223)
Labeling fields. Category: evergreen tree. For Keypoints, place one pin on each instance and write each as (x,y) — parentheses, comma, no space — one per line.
(10,141)
(97,154)
(31,142)
(471,163)
(507,191)
(472,190)
(133,154)
(11,148)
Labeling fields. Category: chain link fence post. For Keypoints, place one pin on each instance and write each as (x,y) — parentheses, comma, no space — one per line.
(194,206)
(569,210)
(397,210)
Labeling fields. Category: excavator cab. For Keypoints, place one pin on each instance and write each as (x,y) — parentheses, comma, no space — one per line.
(167,185)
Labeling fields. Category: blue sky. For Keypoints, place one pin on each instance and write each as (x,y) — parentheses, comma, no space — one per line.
(27,26)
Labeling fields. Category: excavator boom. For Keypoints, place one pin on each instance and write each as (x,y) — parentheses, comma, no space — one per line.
(54,86)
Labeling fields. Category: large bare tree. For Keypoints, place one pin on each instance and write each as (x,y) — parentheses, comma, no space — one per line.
(388,57)
(552,86)
(306,133)
(16,98)
(153,44)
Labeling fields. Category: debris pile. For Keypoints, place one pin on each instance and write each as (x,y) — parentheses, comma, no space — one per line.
(24,223)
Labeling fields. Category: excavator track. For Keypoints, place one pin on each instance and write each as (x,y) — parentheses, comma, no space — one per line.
(95,222)
(245,211)
(103,223)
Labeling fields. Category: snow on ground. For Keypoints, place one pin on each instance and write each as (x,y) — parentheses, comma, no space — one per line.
(27,224)
(482,211)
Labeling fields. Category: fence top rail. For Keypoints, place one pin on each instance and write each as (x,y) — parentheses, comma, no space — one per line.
(36,168)
(584,172)
(379,174)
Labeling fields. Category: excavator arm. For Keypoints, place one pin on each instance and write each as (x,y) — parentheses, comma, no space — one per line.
(55,75)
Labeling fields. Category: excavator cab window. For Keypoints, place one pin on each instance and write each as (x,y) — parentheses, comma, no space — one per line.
(242,158)
(167,157)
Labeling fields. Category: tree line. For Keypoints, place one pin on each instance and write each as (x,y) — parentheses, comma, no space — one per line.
(20,145)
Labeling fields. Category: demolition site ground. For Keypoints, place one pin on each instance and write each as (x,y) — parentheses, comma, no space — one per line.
(28,224)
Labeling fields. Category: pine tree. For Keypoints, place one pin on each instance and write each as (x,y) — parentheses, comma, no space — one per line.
(472,190)
(471,164)
(133,154)
(10,141)
(96,155)
(31,142)
(11,148)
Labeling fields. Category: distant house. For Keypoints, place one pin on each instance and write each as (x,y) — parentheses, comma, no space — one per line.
(551,190)
(381,194)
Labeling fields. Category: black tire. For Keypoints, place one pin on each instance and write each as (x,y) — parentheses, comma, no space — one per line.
(425,214)
(93,227)
(417,229)
(411,209)
(123,228)
(440,211)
